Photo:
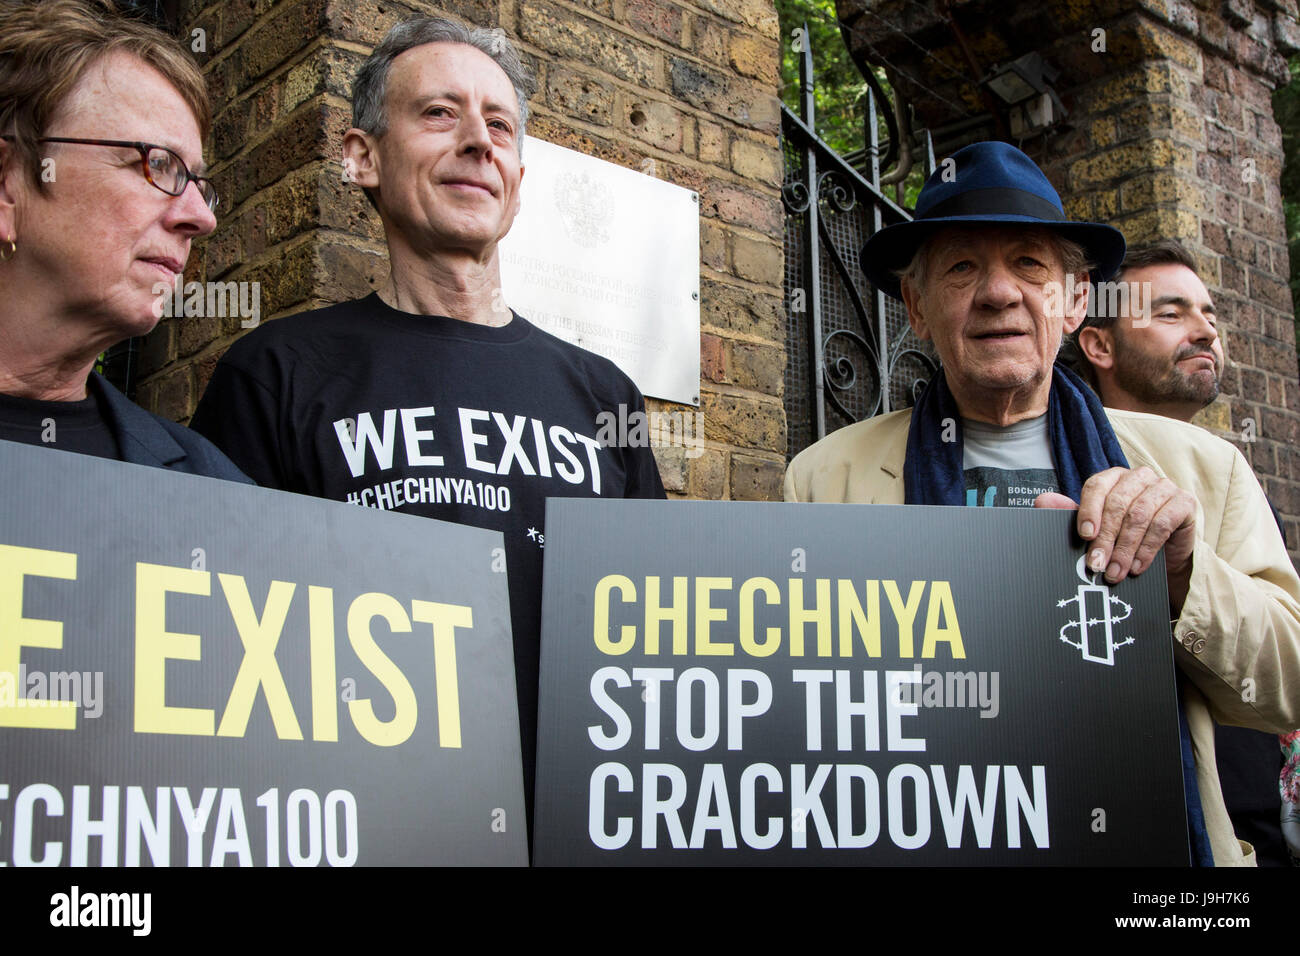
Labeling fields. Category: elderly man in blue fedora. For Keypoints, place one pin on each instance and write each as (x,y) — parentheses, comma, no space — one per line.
(993,273)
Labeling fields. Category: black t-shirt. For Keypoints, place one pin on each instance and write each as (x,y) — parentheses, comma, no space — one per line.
(431,416)
(68,426)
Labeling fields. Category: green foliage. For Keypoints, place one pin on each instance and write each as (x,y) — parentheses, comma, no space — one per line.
(1286,110)
(839,88)
(840,92)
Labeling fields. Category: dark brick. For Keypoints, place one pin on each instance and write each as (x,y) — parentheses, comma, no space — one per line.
(1246,317)
(1261,220)
(348,272)
(230,130)
(750,104)
(222,252)
(287,277)
(195,333)
(156,349)
(757,366)
(283,33)
(175,396)
(742,310)
(1219,140)
(203,368)
(1241,247)
(1217,75)
(1254,385)
(661,20)
(756,479)
(1233,276)
(713,358)
(743,421)
(1214,237)
(1238,13)
(1228,208)
(579,96)
(708,479)
(146,395)
(1269,290)
(1275,358)
(236,17)
(1279,426)
(742,206)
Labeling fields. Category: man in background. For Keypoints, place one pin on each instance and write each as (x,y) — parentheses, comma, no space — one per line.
(1160,352)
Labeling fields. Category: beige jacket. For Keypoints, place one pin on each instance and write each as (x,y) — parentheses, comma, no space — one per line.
(1238,637)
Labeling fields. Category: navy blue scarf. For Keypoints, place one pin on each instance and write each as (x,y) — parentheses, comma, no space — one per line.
(1083,443)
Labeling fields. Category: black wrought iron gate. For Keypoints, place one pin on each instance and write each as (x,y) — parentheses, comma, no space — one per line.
(850,353)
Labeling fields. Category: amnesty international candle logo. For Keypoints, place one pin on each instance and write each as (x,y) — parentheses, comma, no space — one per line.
(730,683)
(1094,636)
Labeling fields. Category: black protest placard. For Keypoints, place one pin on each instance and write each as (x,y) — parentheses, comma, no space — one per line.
(195,672)
(726,683)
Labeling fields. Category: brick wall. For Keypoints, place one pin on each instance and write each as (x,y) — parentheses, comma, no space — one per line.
(683,91)
(1180,142)
(1170,134)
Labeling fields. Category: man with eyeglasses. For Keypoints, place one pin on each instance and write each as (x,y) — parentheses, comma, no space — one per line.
(102,121)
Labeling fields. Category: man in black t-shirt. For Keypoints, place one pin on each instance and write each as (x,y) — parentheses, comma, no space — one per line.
(430,397)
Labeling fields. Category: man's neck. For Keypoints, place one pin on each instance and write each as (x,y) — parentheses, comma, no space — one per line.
(1115,398)
(455,285)
(1001,407)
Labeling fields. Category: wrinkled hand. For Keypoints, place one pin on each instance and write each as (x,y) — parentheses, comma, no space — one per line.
(1127,515)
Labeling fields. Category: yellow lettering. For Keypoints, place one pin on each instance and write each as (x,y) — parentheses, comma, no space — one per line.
(258,668)
(705,615)
(600,615)
(155,645)
(819,615)
(445,618)
(941,602)
(852,617)
(773,595)
(381,733)
(678,612)
(905,613)
(17,632)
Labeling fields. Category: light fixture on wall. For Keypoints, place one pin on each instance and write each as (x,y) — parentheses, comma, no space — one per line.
(1024,85)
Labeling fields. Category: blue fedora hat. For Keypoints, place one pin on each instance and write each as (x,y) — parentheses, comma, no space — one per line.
(986,183)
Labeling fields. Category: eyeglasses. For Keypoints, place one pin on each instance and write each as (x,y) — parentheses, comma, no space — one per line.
(163,168)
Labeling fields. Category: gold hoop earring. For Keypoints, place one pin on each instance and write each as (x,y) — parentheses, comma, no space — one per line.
(7,254)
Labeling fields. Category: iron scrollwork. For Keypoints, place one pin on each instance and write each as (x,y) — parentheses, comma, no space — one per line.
(832,188)
(795,196)
(841,373)
(852,354)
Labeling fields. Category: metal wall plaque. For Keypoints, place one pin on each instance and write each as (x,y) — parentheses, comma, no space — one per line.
(609,259)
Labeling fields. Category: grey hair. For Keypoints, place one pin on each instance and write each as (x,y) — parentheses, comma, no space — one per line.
(370,87)
(1074,259)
